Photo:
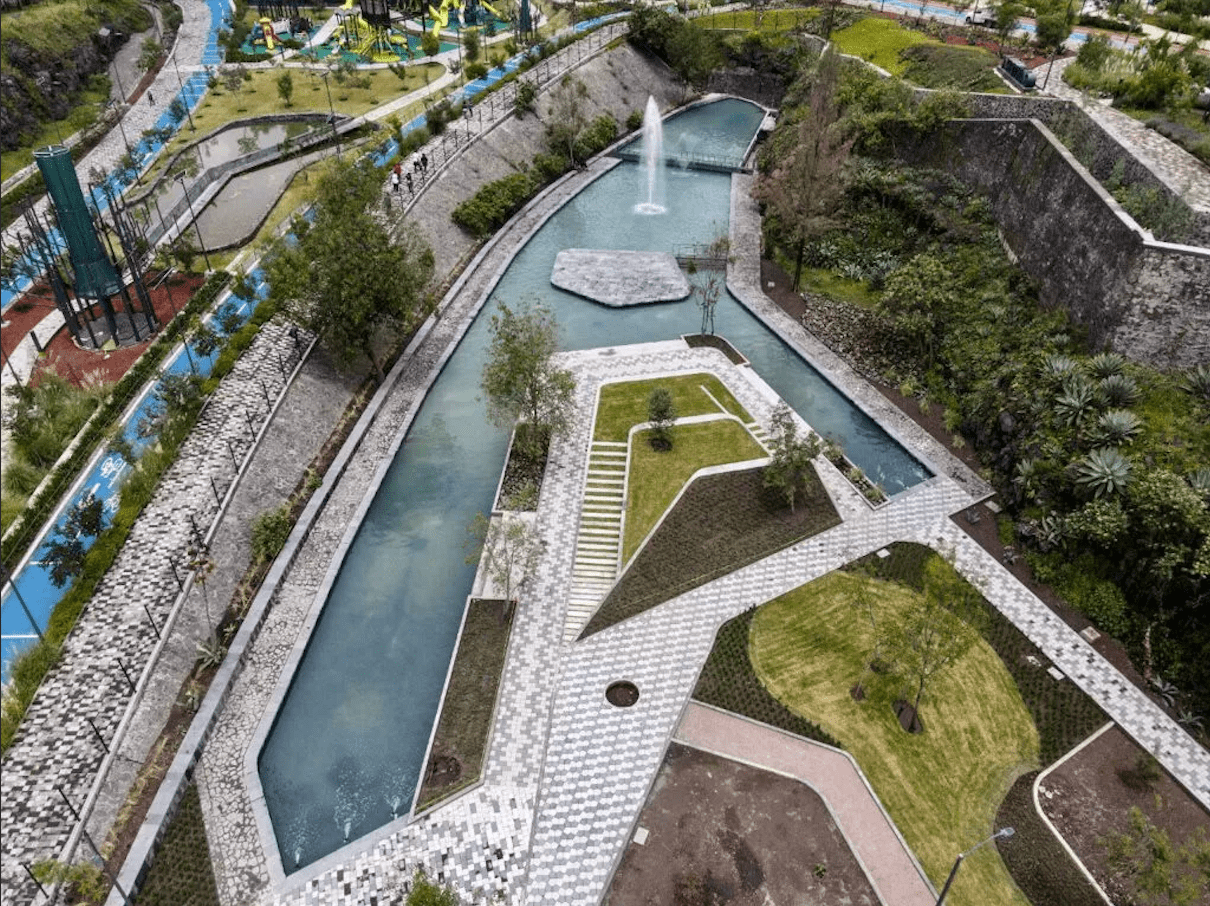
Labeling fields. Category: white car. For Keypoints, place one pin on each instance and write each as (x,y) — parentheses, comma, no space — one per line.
(984,17)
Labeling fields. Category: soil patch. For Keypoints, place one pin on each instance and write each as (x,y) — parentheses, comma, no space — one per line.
(712,341)
(720,833)
(1089,796)
(721,523)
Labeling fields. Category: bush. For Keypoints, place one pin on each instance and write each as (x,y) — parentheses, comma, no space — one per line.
(475,71)
(269,533)
(491,207)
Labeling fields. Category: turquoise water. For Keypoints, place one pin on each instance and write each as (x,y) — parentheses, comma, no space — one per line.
(347,744)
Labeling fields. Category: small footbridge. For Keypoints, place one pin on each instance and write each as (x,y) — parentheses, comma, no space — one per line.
(716,164)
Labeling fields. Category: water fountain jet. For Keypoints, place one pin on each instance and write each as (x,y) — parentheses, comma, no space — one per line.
(653,159)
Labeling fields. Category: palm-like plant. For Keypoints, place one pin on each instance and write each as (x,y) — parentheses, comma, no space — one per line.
(1197,382)
(1059,366)
(1199,480)
(1075,402)
(1106,364)
(1102,472)
(1116,427)
(1119,390)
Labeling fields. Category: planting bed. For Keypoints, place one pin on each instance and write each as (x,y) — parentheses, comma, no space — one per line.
(720,524)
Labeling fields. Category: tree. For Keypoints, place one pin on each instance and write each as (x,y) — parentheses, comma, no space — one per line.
(805,187)
(568,117)
(661,413)
(521,379)
(1155,871)
(509,549)
(233,78)
(184,251)
(693,53)
(1052,30)
(149,54)
(285,87)
(470,43)
(428,893)
(863,602)
(1008,14)
(935,631)
(64,552)
(346,278)
(430,44)
(791,455)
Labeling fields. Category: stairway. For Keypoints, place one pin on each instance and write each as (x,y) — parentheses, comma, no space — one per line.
(599,541)
(760,435)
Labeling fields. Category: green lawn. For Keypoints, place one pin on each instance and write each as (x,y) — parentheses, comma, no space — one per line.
(772,20)
(622,406)
(655,478)
(943,786)
(878,41)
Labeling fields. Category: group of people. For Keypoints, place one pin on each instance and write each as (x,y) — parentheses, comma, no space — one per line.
(420,167)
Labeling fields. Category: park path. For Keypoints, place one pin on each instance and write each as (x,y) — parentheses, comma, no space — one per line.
(869,831)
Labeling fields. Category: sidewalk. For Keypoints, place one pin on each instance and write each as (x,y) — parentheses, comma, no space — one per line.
(869,830)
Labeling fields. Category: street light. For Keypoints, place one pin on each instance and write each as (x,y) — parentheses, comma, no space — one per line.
(325,75)
(1002,832)
(189,201)
(179,81)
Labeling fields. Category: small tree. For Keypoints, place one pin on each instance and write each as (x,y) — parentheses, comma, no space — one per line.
(149,54)
(285,87)
(937,630)
(521,380)
(233,79)
(470,43)
(661,413)
(568,117)
(64,552)
(509,548)
(430,44)
(1008,15)
(707,290)
(184,251)
(791,455)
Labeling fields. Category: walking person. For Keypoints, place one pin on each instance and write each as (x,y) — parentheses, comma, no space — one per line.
(424,164)
(411,189)
(150,99)
(395,183)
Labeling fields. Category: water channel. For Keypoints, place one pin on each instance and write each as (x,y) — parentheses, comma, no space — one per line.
(345,750)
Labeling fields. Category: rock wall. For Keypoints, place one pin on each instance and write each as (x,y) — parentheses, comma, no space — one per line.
(1148,300)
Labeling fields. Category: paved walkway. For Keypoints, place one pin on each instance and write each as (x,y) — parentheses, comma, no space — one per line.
(1177,168)
(892,868)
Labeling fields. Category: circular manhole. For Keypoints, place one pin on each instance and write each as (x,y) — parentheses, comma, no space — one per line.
(622,694)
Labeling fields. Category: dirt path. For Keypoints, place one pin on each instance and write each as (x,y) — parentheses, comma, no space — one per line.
(870,833)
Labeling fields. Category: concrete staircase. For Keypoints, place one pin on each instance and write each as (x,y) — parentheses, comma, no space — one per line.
(599,541)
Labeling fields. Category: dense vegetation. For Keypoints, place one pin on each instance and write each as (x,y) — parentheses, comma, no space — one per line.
(1104,464)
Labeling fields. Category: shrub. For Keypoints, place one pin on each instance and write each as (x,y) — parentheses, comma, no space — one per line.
(475,71)
(269,533)
(491,207)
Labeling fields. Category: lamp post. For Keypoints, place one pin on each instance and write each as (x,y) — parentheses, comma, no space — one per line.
(189,201)
(180,81)
(325,75)
(1002,832)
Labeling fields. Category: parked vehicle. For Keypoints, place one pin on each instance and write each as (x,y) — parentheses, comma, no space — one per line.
(984,17)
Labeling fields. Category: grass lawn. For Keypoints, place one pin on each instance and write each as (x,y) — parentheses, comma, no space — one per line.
(259,97)
(657,476)
(879,41)
(943,786)
(181,874)
(772,20)
(624,405)
(466,712)
(828,283)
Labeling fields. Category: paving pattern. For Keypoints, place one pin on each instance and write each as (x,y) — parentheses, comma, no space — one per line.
(81,710)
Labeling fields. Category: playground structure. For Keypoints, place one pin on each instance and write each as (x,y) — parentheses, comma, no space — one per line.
(458,14)
(265,34)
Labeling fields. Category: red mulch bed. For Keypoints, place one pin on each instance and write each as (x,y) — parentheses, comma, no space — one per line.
(1090,796)
(86,366)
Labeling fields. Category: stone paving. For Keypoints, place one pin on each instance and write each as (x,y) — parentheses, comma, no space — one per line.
(86,698)
(620,278)
(1181,171)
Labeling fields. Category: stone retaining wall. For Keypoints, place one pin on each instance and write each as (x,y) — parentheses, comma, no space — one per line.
(1149,300)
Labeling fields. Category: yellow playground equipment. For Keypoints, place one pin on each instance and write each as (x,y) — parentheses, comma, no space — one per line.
(441,14)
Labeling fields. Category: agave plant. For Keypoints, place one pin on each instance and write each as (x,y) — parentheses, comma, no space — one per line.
(1116,427)
(1106,365)
(1199,480)
(1167,691)
(1059,366)
(1027,478)
(1075,402)
(1197,382)
(1119,390)
(1102,472)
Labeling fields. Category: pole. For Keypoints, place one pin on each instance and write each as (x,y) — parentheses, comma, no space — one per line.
(118,78)
(196,226)
(188,111)
(1002,832)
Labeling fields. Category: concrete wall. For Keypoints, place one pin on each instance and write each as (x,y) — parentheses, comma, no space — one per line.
(1148,300)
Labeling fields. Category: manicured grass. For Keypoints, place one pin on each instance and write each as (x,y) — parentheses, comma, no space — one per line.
(880,41)
(181,874)
(655,477)
(772,20)
(728,681)
(950,66)
(466,712)
(1063,714)
(721,523)
(624,405)
(943,786)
